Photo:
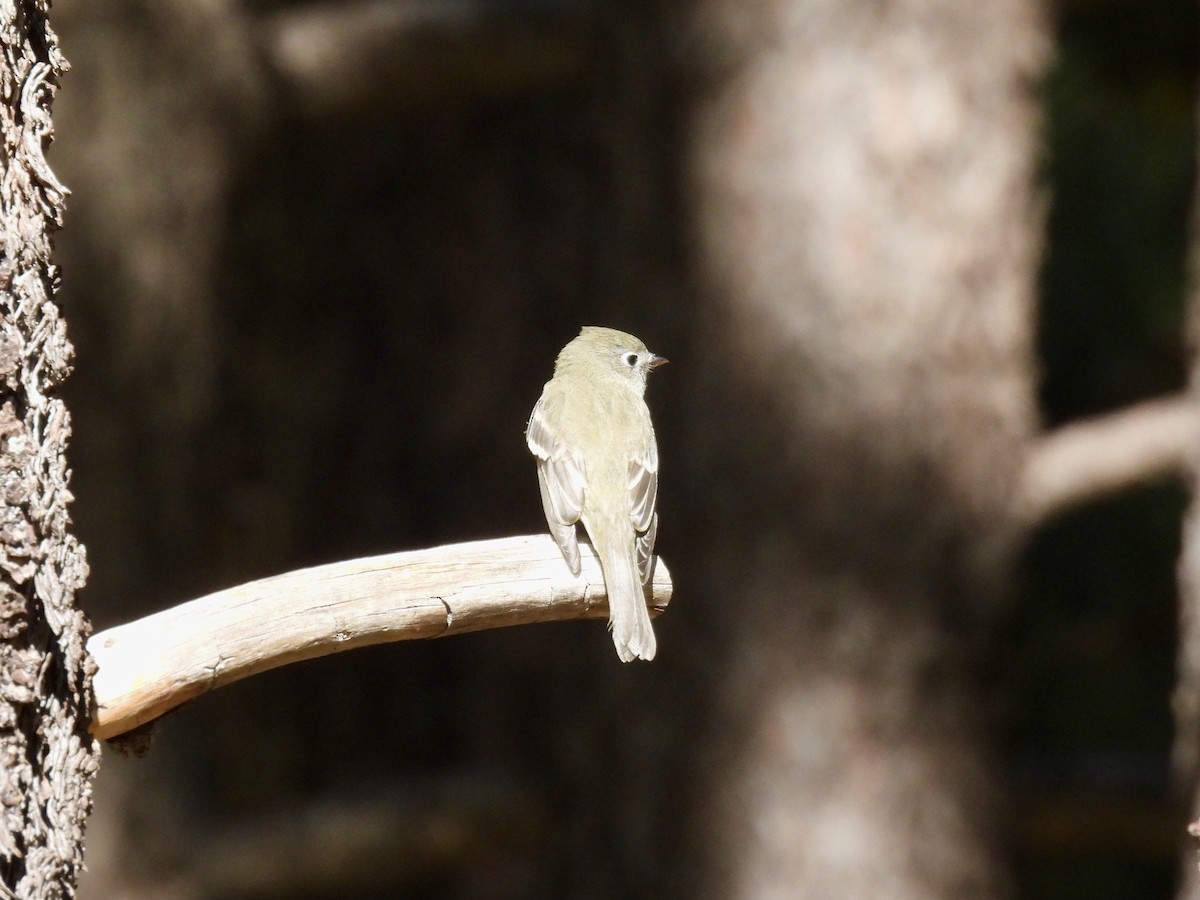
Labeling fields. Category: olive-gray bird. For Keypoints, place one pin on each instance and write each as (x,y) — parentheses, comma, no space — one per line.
(598,464)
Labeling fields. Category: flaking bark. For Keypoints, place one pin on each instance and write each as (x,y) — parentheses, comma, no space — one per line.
(47,757)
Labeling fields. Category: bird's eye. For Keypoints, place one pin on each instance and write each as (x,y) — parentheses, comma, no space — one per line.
(630,359)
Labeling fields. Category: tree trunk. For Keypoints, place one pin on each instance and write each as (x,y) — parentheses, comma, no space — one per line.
(1186,700)
(868,240)
(47,757)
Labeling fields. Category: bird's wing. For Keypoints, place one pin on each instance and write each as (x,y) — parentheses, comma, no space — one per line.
(561,479)
(643,497)
(645,550)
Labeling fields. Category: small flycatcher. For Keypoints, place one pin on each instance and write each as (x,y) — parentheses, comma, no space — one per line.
(598,463)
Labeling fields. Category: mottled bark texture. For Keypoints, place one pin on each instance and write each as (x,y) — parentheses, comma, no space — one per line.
(47,757)
(868,241)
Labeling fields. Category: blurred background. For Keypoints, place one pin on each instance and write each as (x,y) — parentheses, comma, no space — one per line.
(318,261)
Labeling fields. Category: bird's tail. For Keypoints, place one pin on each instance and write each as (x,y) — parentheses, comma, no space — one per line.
(628,617)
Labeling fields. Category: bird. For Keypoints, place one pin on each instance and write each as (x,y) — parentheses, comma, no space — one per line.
(597,463)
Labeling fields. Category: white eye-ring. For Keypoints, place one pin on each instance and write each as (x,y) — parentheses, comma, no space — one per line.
(630,358)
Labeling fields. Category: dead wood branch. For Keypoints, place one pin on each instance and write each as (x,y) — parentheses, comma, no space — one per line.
(152,665)
(1099,456)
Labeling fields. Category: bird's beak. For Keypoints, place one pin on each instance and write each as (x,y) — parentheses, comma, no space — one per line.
(656,361)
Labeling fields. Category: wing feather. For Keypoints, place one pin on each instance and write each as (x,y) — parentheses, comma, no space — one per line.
(562,481)
(643,499)
(645,550)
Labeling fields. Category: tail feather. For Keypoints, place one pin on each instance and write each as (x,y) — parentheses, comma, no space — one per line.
(628,617)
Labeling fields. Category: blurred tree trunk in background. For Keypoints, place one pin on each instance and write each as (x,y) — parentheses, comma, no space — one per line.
(1186,699)
(47,757)
(1185,703)
(312,338)
(867,242)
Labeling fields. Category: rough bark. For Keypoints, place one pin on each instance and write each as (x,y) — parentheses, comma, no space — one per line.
(47,757)
(868,236)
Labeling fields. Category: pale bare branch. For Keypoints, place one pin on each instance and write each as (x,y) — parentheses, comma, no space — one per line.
(1099,456)
(152,665)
